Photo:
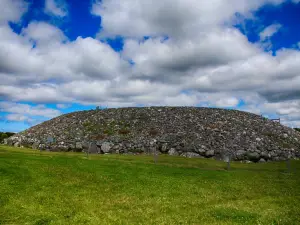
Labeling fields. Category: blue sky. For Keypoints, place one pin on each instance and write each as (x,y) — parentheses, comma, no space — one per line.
(60,56)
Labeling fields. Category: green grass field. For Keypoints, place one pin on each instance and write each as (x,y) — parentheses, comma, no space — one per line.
(68,188)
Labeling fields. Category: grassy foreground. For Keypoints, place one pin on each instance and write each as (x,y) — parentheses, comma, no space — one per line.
(67,188)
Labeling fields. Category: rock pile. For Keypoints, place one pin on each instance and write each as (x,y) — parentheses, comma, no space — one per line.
(184,131)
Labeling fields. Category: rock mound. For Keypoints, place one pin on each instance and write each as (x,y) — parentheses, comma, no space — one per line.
(185,131)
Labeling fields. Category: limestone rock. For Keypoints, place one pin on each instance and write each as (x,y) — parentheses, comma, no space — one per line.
(253,156)
(93,148)
(190,155)
(210,153)
(17,144)
(78,146)
(240,154)
(106,147)
(173,152)
(262,160)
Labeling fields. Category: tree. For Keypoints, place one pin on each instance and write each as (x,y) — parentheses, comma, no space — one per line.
(3,136)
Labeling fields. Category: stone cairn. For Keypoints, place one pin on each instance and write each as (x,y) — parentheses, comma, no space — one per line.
(177,131)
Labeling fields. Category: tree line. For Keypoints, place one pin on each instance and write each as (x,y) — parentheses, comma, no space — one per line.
(4,135)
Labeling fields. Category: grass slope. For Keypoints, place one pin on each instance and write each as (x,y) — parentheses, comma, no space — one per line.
(67,188)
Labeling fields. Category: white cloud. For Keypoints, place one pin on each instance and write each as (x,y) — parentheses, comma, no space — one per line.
(16,117)
(170,59)
(270,31)
(27,113)
(25,109)
(43,34)
(56,7)
(203,62)
(175,18)
(62,106)
(12,10)
(227,102)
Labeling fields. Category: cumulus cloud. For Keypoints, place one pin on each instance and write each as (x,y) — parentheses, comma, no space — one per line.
(12,10)
(16,117)
(25,109)
(56,7)
(193,57)
(166,60)
(29,114)
(174,18)
(42,33)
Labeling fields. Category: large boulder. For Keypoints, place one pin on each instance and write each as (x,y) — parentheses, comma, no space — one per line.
(191,155)
(173,152)
(253,156)
(78,146)
(17,144)
(106,147)
(240,154)
(93,148)
(210,153)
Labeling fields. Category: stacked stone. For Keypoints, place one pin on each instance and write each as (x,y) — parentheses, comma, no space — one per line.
(178,131)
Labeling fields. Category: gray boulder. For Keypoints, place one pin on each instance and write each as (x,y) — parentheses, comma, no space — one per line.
(106,147)
(35,145)
(190,155)
(262,160)
(201,150)
(164,148)
(173,152)
(78,146)
(253,156)
(93,148)
(240,154)
(265,155)
(210,153)
(17,144)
